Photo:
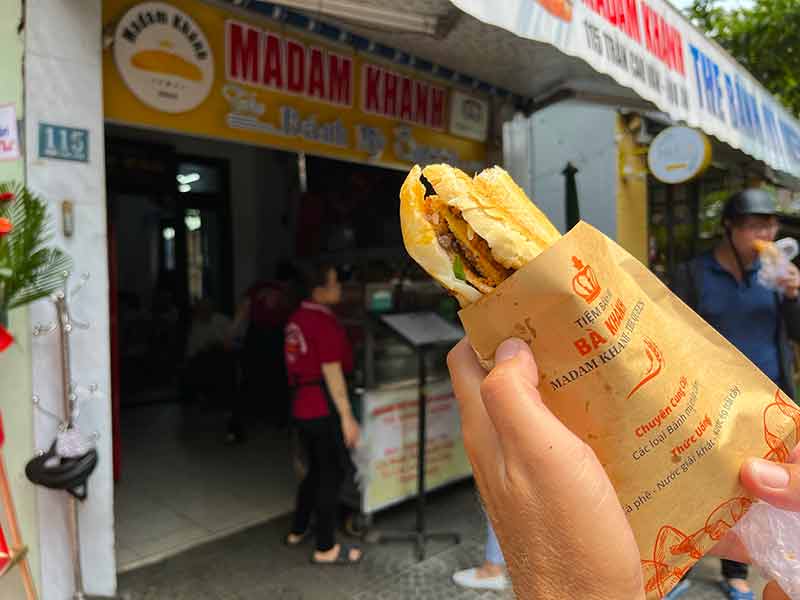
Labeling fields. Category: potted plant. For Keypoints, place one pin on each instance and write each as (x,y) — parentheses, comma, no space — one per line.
(29,267)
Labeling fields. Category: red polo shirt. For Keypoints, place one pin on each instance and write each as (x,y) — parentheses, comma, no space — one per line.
(313,336)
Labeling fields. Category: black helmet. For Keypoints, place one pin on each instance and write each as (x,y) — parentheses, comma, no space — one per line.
(70,474)
(752,201)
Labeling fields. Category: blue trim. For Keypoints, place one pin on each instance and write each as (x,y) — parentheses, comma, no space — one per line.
(361,44)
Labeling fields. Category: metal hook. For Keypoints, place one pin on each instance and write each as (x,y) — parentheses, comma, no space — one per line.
(44,329)
(37,403)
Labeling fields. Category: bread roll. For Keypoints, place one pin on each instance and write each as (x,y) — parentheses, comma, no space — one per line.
(475,232)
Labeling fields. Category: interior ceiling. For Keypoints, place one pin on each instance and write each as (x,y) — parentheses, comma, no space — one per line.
(528,68)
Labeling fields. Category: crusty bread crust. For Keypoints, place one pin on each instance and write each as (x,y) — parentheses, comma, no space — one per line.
(422,244)
(498,210)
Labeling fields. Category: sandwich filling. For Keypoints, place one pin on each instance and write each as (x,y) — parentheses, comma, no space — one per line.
(471,255)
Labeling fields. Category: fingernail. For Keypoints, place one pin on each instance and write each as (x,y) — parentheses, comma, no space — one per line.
(770,474)
(509,349)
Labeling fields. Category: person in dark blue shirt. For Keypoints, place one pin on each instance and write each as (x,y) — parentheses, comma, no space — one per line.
(722,287)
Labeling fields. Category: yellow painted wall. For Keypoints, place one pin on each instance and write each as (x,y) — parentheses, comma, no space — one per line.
(631,192)
(15,363)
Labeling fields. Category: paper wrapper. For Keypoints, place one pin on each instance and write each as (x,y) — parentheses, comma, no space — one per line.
(668,405)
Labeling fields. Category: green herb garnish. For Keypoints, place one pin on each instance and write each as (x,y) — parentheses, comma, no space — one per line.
(458,269)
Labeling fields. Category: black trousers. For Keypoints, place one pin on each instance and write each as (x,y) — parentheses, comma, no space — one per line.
(733,570)
(319,491)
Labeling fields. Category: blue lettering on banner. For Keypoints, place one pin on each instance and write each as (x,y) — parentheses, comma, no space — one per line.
(732,108)
(771,128)
(755,118)
(791,140)
(706,73)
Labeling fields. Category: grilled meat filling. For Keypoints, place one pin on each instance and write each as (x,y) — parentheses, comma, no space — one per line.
(455,235)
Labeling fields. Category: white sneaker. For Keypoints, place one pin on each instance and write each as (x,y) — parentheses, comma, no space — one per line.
(468,578)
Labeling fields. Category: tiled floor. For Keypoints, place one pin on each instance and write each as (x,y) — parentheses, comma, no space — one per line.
(254,565)
(182,486)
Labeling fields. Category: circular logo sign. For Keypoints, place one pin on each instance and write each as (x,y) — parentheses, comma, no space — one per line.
(678,154)
(163,57)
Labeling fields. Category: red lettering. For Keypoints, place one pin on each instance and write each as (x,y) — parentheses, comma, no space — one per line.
(437,108)
(597,339)
(316,74)
(421,110)
(372,99)
(647,19)
(612,11)
(389,94)
(242,52)
(273,65)
(582,346)
(295,67)
(601,9)
(339,79)
(632,20)
(677,52)
(406,99)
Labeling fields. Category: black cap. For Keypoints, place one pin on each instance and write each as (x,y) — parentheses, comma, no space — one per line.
(753,201)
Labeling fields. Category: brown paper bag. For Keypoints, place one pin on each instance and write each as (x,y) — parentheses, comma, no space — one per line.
(669,406)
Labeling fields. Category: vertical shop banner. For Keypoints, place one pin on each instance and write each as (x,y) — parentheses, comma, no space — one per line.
(649,47)
(391,436)
(188,67)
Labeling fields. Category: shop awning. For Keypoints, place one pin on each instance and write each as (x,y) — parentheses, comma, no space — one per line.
(625,51)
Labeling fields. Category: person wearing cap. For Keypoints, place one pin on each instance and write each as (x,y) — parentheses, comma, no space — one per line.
(722,287)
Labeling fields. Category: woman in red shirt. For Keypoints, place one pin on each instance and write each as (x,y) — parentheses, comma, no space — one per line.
(318,355)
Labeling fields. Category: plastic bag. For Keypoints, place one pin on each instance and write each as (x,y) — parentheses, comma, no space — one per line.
(775,260)
(772,537)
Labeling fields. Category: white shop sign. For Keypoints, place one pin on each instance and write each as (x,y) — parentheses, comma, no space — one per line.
(649,47)
(678,154)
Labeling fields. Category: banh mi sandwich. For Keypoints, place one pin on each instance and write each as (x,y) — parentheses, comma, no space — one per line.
(473,233)
(766,249)
(166,63)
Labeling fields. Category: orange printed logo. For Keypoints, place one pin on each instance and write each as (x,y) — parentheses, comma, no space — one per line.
(775,416)
(585,282)
(659,574)
(654,367)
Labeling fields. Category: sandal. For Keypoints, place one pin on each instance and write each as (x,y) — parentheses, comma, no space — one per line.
(343,558)
(733,594)
(303,537)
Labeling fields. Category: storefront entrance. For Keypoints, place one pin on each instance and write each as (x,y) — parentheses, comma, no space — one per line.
(196,225)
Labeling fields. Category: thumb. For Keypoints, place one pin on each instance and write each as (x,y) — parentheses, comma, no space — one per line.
(530,436)
(775,483)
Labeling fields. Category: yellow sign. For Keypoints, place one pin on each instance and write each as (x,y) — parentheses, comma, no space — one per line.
(191,68)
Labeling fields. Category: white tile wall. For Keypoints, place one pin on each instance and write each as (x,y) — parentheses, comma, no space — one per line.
(63,83)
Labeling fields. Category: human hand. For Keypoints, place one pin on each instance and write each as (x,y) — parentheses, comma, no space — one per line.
(777,484)
(351,431)
(555,512)
(531,470)
(790,283)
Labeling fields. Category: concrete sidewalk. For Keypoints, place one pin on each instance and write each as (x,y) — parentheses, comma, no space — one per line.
(255,565)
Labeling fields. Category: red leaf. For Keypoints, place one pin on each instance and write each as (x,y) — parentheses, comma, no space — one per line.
(6,339)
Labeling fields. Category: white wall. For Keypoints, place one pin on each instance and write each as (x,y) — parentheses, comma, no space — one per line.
(537,150)
(259,194)
(63,85)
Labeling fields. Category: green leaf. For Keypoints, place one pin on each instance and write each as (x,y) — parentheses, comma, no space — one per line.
(36,269)
(458,269)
